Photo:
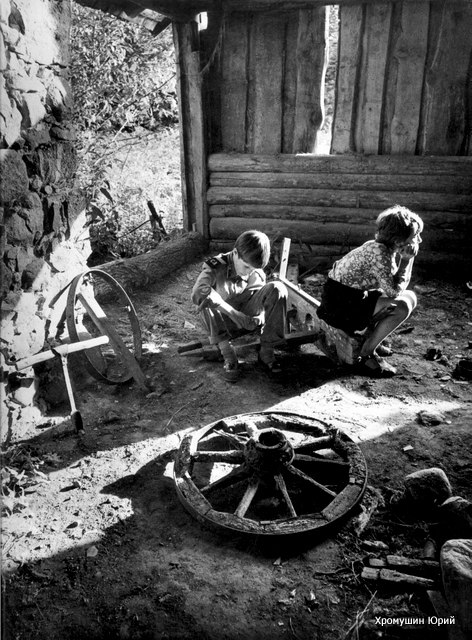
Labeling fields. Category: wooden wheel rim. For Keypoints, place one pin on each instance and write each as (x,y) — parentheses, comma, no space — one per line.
(71,319)
(199,502)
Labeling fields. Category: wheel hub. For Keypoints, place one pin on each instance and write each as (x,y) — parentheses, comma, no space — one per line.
(267,452)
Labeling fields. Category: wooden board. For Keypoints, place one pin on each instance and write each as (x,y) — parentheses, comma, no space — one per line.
(369,182)
(342,198)
(234,83)
(192,128)
(264,107)
(290,82)
(311,66)
(285,163)
(405,73)
(372,78)
(444,108)
(349,56)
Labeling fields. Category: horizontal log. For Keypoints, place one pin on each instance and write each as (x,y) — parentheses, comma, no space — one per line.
(295,229)
(317,180)
(139,271)
(444,220)
(344,198)
(370,164)
(346,235)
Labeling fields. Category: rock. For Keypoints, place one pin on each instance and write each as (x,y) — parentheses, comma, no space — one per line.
(15,182)
(456,518)
(430,418)
(456,570)
(428,488)
(463,369)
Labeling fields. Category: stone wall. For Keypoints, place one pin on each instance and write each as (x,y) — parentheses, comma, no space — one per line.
(42,212)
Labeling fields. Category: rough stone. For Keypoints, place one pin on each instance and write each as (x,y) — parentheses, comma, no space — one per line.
(428,488)
(5,10)
(29,331)
(64,133)
(430,418)
(32,273)
(14,182)
(20,81)
(456,570)
(32,109)
(3,53)
(455,515)
(26,224)
(11,36)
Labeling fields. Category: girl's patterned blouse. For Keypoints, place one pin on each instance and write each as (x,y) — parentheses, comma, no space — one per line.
(371,266)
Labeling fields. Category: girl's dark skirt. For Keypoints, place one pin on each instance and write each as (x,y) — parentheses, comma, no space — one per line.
(347,308)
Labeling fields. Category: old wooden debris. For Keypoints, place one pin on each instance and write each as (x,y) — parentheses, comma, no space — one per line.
(393,577)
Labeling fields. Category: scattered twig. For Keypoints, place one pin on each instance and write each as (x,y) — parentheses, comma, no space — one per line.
(359,621)
(175,413)
(332,573)
(292,629)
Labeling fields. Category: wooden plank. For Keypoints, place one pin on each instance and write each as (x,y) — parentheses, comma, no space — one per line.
(264,109)
(441,220)
(405,77)
(304,231)
(349,57)
(444,108)
(289,82)
(344,198)
(383,182)
(311,67)
(371,79)
(286,163)
(234,83)
(211,47)
(284,258)
(192,127)
(348,235)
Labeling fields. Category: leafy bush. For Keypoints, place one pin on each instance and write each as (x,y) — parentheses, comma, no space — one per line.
(125,111)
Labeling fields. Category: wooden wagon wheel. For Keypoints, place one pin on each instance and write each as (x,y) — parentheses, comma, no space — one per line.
(86,317)
(269,473)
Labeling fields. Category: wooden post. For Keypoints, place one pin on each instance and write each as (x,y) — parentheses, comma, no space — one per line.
(193,155)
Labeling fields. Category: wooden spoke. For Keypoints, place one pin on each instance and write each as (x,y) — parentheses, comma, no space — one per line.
(283,490)
(234,456)
(303,476)
(322,442)
(240,441)
(319,460)
(247,498)
(231,478)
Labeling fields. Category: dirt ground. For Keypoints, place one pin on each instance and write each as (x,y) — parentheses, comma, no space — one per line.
(97,545)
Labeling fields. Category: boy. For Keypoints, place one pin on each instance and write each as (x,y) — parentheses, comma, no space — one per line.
(368,287)
(231,293)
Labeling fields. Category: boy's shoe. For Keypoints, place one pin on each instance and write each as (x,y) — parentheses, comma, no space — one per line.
(231,371)
(383,350)
(374,366)
(273,368)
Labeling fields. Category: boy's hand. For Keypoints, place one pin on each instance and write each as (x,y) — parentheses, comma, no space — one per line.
(246,322)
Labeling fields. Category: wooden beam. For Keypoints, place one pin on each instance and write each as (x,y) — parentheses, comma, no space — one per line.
(286,163)
(193,161)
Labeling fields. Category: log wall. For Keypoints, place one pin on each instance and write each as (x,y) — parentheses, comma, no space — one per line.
(328,205)
(264,90)
(403,79)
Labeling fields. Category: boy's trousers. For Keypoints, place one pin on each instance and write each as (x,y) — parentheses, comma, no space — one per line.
(270,299)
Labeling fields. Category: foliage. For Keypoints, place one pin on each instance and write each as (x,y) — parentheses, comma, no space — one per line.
(125,107)
(120,74)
